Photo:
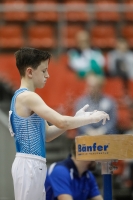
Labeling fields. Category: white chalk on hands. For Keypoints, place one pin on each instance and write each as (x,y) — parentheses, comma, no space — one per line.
(81,112)
(97,115)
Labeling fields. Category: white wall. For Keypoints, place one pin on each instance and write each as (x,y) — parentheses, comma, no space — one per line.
(7,154)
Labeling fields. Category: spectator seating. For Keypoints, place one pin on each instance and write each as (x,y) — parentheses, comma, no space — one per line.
(128,15)
(127,32)
(124,117)
(8,70)
(116,83)
(41,36)
(69,33)
(19,14)
(47,15)
(103,36)
(81,16)
(103,15)
(74,1)
(124,111)
(130,88)
(11,36)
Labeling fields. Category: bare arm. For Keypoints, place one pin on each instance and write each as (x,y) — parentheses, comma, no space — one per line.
(69,197)
(37,105)
(99,197)
(52,132)
(65,197)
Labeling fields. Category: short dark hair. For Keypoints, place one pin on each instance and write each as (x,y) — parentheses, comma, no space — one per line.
(27,56)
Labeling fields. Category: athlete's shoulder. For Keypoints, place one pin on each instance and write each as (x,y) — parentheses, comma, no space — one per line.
(30,96)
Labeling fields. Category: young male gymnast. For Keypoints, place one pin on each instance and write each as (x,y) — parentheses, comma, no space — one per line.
(28,117)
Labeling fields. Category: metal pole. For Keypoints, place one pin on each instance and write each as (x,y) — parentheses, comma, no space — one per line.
(107,180)
(107,186)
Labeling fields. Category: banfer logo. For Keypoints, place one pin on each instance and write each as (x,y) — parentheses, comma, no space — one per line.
(94,148)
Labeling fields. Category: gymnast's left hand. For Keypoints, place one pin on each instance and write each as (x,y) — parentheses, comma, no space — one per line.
(82,111)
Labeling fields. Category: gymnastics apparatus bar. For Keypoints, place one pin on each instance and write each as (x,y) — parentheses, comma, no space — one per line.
(105,149)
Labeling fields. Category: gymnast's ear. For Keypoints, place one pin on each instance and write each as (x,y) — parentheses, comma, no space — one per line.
(29,72)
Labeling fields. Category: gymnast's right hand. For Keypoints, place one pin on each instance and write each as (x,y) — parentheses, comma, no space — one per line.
(97,116)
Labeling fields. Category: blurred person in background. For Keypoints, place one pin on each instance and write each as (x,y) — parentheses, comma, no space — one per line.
(84,59)
(127,176)
(97,100)
(72,180)
(120,61)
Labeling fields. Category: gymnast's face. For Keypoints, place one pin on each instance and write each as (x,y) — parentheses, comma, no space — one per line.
(40,75)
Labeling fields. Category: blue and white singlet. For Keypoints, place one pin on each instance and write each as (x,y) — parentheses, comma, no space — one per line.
(28,132)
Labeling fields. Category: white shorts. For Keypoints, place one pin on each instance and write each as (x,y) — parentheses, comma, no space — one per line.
(29,174)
